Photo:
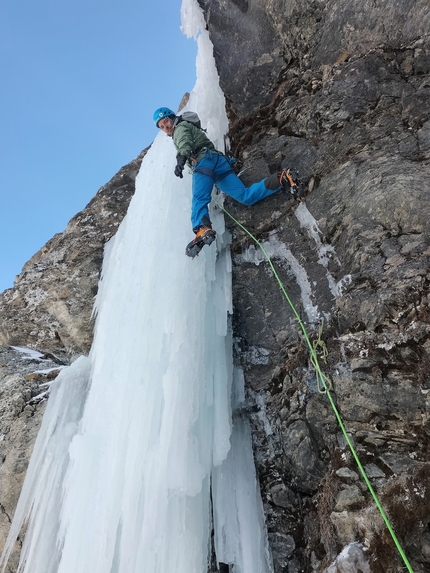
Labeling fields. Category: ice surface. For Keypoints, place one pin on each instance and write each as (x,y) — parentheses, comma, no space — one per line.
(240,532)
(120,478)
(325,251)
(48,370)
(307,220)
(276,249)
(28,353)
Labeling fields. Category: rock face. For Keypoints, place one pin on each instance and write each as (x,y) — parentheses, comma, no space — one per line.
(341,91)
(25,377)
(49,307)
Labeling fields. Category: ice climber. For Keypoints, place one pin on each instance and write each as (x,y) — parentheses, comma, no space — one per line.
(210,167)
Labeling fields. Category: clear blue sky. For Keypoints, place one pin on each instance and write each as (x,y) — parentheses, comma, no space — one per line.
(80,80)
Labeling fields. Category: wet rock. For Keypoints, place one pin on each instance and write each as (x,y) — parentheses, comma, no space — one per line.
(284,497)
(397,462)
(347,475)
(282,546)
(373,471)
(349,498)
(302,456)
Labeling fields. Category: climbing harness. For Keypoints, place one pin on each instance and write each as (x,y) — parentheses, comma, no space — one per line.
(209,172)
(325,385)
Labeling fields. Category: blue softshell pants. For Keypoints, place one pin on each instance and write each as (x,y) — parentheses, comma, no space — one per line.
(214,168)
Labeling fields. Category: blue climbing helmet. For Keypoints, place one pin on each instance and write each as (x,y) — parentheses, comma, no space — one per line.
(163,112)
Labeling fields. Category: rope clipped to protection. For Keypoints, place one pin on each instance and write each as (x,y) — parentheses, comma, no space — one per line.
(320,349)
(324,384)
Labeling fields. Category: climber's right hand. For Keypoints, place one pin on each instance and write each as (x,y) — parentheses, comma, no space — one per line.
(180,164)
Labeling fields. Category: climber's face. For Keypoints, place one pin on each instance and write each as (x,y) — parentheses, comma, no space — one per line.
(166,125)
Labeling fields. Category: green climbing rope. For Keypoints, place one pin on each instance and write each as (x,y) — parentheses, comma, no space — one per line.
(324,384)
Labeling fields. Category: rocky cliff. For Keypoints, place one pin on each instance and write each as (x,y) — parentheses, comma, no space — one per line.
(339,90)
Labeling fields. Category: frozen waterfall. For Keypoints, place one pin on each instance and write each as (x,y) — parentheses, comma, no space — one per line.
(139,440)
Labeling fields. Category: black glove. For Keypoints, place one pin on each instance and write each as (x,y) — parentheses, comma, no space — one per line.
(180,164)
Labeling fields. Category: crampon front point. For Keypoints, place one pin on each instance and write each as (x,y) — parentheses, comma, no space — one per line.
(204,236)
(290,180)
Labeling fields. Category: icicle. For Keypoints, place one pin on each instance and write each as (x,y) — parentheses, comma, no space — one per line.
(240,531)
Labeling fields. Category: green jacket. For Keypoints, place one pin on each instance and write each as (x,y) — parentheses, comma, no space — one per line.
(189,141)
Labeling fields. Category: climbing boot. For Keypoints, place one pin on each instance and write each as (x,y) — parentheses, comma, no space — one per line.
(204,236)
(289,179)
